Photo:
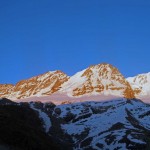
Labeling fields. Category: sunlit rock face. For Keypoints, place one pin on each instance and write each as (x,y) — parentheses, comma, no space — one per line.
(6,89)
(44,84)
(101,79)
(96,80)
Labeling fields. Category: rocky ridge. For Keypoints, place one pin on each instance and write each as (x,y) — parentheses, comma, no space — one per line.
(101,79)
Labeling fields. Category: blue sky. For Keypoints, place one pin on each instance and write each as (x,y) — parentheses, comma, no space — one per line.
(69,35)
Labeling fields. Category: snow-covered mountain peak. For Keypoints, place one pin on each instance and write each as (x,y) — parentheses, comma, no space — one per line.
(44,84)
(98,79)
(105,71)
(102,79)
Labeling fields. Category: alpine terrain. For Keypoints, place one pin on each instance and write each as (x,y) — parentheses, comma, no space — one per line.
(141,86)
(95,109)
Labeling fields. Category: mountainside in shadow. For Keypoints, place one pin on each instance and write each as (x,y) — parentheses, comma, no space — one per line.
(22,129)
(114,125)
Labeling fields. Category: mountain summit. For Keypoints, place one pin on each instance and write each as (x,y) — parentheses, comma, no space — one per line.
(98,79)
(44,84)
(101,79)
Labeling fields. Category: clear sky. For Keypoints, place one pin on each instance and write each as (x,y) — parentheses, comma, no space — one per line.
(37,36)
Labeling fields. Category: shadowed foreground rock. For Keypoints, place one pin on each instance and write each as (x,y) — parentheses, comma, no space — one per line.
(21,129)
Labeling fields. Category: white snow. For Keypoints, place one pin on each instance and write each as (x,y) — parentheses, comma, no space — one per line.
(142,82)
(73,83)
(135,140)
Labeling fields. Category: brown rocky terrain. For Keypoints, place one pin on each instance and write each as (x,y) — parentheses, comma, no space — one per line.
(6,89)
(44,84)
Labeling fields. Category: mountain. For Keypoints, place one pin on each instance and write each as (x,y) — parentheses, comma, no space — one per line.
(114,125)
(141,85)
(98,79)
(40,85)
(102,79)
(54,111)
(6,89)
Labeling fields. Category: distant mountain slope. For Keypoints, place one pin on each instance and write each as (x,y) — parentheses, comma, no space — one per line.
(102,79)
(44,84)
(6,89)
(141,85)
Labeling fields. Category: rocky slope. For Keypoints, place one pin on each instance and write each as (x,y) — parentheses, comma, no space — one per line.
(101,79)
(98,79)
(113,125)
(6,89)
(44,84)
(121,124)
